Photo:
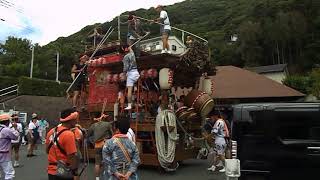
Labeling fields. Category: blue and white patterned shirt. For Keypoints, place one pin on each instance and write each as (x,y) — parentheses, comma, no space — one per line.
(114,158)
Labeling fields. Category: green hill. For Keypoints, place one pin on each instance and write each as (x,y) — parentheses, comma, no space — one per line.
(268,31)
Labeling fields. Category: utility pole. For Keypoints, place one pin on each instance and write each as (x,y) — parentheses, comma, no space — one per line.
(119,28)
(32,58)
(182,37)
(57,75)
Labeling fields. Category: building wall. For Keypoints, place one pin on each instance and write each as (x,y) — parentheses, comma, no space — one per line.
(47,107)
(155,46)
(276,76)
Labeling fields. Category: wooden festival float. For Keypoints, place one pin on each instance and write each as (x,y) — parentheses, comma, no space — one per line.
(161,140)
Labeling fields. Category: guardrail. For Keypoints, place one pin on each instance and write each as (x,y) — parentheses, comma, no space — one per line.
(9,90)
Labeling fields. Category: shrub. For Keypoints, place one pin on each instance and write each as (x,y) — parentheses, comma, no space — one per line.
(299,83)
(6,81)
(315,79)
(40,87)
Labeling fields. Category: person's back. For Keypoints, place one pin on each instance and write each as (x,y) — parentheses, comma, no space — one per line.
(100,130)
(129,62)
(6,135)
(66,142)
(117,155)
(120,154)
(61,148)
(166,21)
(218,129)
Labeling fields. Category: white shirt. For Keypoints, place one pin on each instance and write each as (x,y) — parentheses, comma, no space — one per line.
(32,125)
(218,130)
(166,21)
(131,135)
(19,129)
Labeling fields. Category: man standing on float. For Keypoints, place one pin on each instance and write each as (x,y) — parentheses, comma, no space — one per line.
(130,68)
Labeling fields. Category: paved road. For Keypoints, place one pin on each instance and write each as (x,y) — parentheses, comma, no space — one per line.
(35,169)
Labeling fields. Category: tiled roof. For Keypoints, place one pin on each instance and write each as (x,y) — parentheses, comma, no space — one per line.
(268,69)
(234,82)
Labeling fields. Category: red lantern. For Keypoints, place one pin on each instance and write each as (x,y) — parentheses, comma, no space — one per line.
(94,63)
(104,60)
(115,78)
(143,74)
(152,73)
(109,78)
(155,73)
(100,61)
(170,80)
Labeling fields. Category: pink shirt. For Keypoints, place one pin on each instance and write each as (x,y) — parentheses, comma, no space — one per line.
(6,135)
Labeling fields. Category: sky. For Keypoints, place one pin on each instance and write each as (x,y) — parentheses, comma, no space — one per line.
(43,21)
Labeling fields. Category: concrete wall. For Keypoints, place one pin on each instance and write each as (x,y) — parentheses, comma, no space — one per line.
(48,107)
(276,76)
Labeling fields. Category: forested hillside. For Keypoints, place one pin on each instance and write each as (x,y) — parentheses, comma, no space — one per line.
(268,31)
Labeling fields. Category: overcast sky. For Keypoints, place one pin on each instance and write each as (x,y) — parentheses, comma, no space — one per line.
(44,21)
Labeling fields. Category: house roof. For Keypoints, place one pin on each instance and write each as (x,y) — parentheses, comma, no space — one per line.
(232,82)
(268,69)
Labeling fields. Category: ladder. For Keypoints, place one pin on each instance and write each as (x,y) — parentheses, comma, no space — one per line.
(141,126)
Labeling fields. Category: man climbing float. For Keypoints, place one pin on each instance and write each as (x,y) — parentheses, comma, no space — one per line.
(130,68)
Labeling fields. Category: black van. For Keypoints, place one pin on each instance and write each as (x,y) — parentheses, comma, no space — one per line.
(277,140)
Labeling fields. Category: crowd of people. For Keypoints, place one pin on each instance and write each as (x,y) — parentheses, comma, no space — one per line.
(13,134)
(116,155)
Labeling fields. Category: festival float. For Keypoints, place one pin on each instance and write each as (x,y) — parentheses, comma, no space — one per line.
(163,139)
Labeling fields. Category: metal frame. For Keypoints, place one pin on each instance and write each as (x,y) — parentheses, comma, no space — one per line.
(11,87)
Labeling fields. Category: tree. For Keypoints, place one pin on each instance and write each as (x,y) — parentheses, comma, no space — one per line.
(15,57)
(249,35)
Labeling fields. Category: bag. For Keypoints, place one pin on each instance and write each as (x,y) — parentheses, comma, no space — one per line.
(63,171)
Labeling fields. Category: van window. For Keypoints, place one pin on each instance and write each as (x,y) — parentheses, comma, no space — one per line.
(257,125)
(298,125)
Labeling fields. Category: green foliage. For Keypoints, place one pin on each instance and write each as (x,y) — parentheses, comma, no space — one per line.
(40,87)
(315,79)
(8,81)
(308,84)
(299,83)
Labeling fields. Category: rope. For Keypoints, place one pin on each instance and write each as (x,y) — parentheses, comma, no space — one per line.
(173,28)
(139,40)
(188,134)
(105,37)
(166,151)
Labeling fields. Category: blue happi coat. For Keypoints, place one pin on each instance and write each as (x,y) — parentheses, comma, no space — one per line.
(114,158)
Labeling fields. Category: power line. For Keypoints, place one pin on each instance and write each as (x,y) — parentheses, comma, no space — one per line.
(8,5)
(17,25)
(7,2)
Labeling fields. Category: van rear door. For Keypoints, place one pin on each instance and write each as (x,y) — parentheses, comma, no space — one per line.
(298,132)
